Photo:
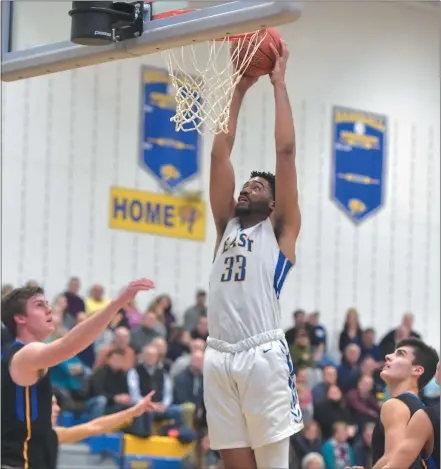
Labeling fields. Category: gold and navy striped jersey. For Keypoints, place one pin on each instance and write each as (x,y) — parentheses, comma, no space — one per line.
(28,440)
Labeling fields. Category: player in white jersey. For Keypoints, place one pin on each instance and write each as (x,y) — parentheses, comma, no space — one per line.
(249,381)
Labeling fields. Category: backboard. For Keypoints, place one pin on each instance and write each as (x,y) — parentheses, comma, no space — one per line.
(39,33)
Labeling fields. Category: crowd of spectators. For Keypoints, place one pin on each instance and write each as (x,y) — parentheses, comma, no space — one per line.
(140,351)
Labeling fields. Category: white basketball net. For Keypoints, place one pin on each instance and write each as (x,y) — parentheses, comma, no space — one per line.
(204,76)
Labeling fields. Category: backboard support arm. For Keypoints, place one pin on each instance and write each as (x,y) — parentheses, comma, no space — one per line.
(189,28)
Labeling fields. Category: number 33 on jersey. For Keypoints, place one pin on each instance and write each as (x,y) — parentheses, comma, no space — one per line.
(247,276)
(236,266)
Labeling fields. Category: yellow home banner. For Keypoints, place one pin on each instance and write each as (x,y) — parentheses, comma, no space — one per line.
(158,214)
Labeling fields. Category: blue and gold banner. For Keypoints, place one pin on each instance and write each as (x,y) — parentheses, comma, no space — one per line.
(359,154)
(172,157)
(158,214)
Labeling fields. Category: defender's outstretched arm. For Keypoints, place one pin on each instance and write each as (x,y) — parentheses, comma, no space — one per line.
(104,424)
(287,218)
(27,363)
(222,182)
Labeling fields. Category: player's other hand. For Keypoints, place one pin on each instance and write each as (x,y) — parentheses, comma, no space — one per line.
(245,83)
(145,405)
(134,288)
(277,76)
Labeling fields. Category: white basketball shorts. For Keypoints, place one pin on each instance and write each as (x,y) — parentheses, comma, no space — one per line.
(249,392)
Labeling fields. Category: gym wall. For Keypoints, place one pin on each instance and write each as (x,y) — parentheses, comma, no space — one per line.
(68,137)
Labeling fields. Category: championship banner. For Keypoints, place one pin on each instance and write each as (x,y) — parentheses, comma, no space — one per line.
(158,214)
(171,157)
(359,157)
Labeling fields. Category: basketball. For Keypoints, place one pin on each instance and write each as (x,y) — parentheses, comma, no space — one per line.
(263,60)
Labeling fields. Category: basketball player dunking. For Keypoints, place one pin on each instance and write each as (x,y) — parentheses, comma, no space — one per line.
(28,440)
(406,372)
(422,437)
(249,380)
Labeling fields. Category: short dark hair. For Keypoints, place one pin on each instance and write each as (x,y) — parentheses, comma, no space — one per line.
(269,177)
(14,304)
(425,356)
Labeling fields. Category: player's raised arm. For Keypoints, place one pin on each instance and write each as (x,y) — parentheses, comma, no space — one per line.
(222,181)
(27,363)
(286,216)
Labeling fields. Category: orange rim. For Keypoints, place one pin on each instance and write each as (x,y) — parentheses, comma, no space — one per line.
(170,13)
(234,37)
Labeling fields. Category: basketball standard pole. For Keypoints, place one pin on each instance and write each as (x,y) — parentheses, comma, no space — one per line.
(198,26)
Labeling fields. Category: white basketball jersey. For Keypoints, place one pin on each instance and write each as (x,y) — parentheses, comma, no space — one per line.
(246,279)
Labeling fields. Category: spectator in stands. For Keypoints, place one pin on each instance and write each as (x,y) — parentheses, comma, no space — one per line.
(120,320)
(363,447)
(161,347)
(388,344)
(431,393)
(299,319)
(149,376)
(307,441)
(6,289)
(304,394)
(403,331)
(201,330)
(337,452)
(369,366)
(179,343)
(87,356)
(6,337)
(32,283)
(133,315)
(106,337)
(57,320)
(108,389)
(318,338)
(162,307)
(96,301)
(347,372)
(60,308)
(362,402)
(75,304)
(145,332)
(188,385)
(204,457)
(332,410)
(193,313)
(317,331)
(368,347)
(352,332)
(301,351)
(121,341)
(183,362)
(313,461)
(320,390)
(69,378)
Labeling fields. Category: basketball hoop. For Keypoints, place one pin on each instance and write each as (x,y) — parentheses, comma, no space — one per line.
(204,76)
